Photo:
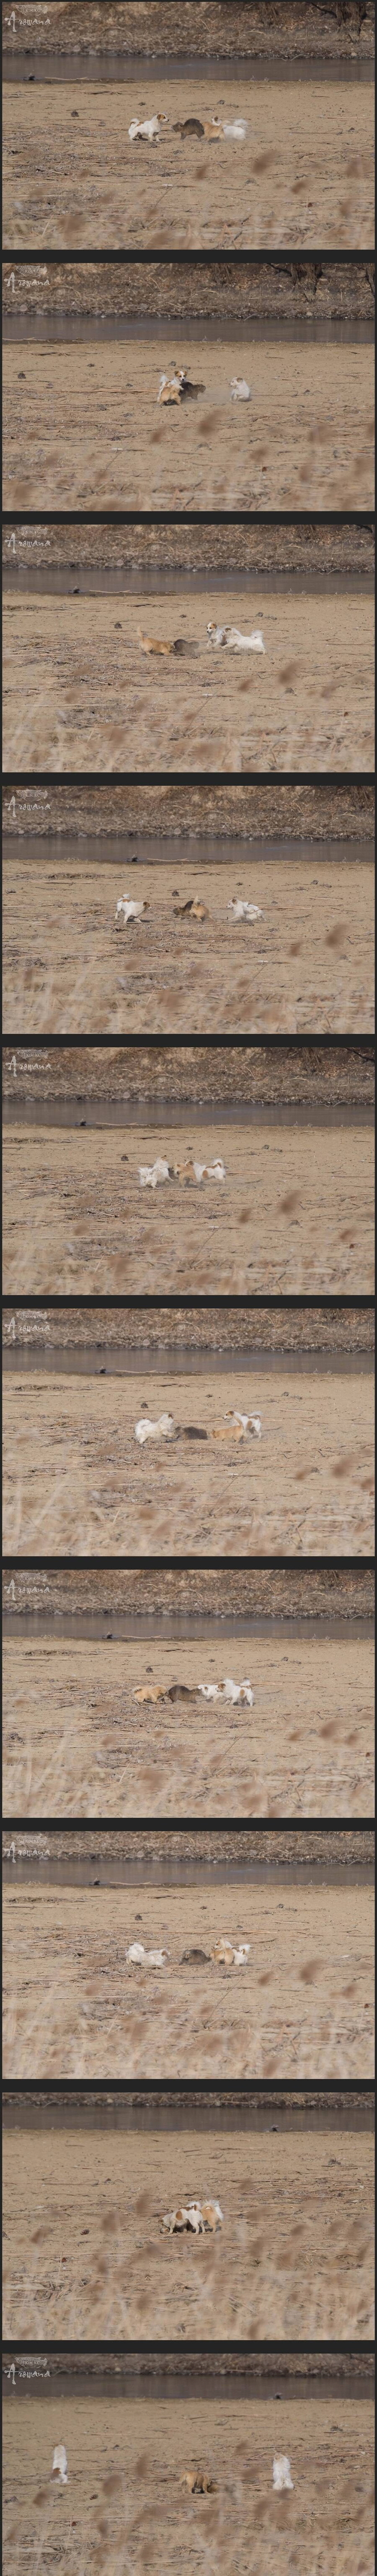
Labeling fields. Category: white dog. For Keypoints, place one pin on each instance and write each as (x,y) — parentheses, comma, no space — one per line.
(60,2463)
(128,910)
(238,1690)
(151,1173)
(239,389)
(281,2475)
(147,132)
(231,635)
(141,1958)
(163,1429)
(245,911)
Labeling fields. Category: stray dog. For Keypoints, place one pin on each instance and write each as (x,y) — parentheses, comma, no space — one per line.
(150,644)
(198,2483)
(232,635)
(148,132)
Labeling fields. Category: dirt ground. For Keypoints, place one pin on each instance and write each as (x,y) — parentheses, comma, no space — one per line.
(79,691)
(304,1488)
(293,2258)
(295,1211)
(136,2517)
(306,965)
(302,176)
(76,1741)
(305,438)
(301,2004)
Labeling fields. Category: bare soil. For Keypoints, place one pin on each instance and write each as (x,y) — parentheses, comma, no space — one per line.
(333,1330)
(85,2254)
(329,1077)
(137,2454)
(294,1213)
(334,546)
(321,290)
(329,1593)
(78,1743)
(304,1488)
(304,439)
(339,810)
(73,665)
(306,965)
(294,28)
(303,176)
(301,2004)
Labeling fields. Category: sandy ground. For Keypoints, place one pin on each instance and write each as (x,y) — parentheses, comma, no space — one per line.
(304,1488)
(301,2004)
(303,175)
(76,1741)
(306,965)
(80,693)
(123,2509)
(293,2258)
(295,1211)
(304,439)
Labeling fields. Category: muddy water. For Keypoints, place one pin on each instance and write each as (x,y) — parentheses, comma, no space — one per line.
(111,1873)
(180,67)
(126,1113)
(38,1623)
(93,580)
(70,327)
(156,2114)
(58,849)
(98,1361)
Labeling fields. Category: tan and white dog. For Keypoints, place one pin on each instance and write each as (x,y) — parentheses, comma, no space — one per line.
(199,2215)
(148,130)
(172,387)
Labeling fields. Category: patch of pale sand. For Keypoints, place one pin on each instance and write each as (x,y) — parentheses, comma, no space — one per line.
(87,2256)
(72,666)
(306,964)
(77,1741)
(306,434)
(290,1212)
(305,1487)
(301,2006)
(303,175)
(125,2462)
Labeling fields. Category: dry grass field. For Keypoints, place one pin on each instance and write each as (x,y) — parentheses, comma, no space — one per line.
(85,2254)
(124,2512)
(82,429)
(303,175)
(79,692)
(305,1488)
(301,2005)
(77,1742)
(294,1212)
(306,964)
